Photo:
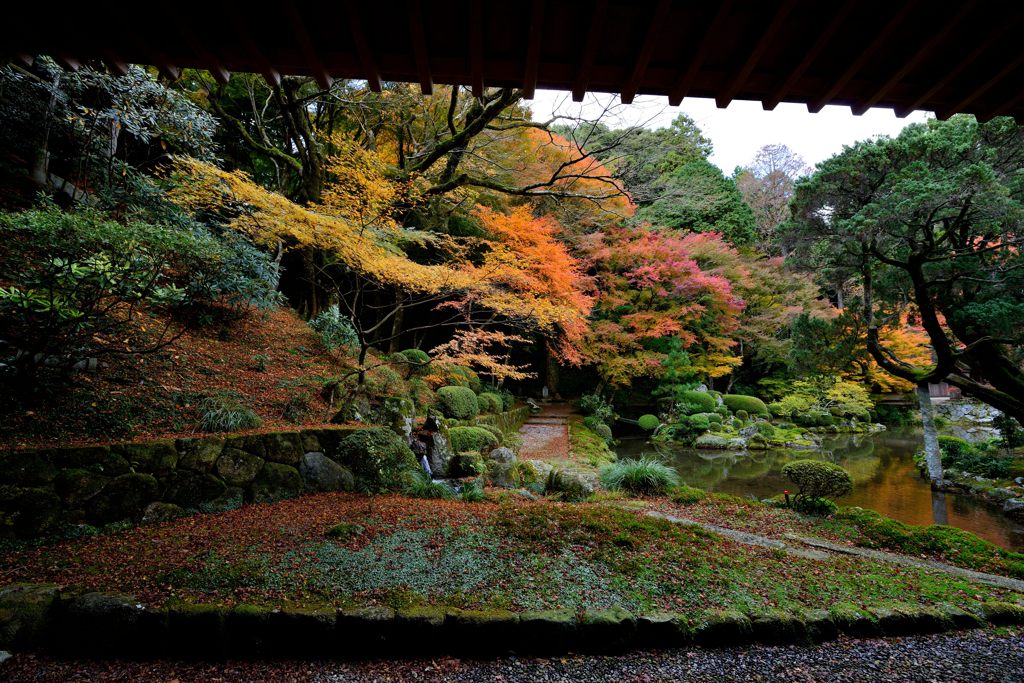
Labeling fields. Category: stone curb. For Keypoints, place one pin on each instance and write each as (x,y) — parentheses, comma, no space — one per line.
(41,617)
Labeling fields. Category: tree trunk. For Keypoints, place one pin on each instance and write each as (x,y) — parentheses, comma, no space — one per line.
(932,455)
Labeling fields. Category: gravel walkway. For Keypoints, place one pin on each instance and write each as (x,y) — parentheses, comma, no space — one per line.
(971,657)
(546,434)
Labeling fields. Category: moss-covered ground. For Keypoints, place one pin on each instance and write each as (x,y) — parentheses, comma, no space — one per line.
(507,553)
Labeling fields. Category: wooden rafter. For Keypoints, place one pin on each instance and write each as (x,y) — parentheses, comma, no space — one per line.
(657,23)
(739,79)
(1005,108)
(970,98)
(962,64)
(476,47)
(682,85)
(921,53)
(864,54)
(810,56)
(363,52)
(533,42)
(582,80)
(241,29)
(313,62)
(419,46)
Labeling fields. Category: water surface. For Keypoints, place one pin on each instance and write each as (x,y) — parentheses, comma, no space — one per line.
(881,465)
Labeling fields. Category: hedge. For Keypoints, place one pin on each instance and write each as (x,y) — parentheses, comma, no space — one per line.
(472,439)
(751,404)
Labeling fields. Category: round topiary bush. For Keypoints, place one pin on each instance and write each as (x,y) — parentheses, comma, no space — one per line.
(490,402)
(377,457)
(742,415)
(765,429)
(955,447)
(699,401)
(751,404)
(466,439)
(642,477)
(649,422)
(605,432)
(498,434)
(417,360)
(698,423)
(458,402)
(818,479)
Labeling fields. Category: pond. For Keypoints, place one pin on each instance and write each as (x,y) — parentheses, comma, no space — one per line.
(881,465)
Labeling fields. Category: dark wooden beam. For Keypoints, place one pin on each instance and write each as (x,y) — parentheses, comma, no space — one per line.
(741,76)
(117,66)
(168,70)
(654,29)
(685,82)
(863,55)
(25,60)
(958,68)
(419,46)
(966,101)
(922,52)
(476,47)
(1006,108)
(824,37)
(67,63)
(363,52)
(582,80)
(235,16)
(313,62)
(533,41)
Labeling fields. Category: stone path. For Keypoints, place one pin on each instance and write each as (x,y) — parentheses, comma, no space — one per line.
(546,434)
(815,546)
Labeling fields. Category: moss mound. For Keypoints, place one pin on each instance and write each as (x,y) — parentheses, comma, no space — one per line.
(458,402)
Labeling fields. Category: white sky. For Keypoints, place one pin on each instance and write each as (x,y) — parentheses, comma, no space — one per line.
(742,128)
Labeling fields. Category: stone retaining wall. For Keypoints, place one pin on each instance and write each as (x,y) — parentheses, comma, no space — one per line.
(43,618)
(44,490)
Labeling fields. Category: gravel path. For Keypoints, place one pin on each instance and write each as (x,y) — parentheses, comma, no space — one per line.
(971,657)
(546,434)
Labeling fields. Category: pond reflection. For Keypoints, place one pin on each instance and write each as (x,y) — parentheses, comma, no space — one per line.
(881,466)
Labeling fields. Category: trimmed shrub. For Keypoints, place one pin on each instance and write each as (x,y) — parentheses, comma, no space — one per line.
(498,434)
(417,361)
(649,422)
(226,413)
(385,382)
(377,457)
(765,429)
(965,456)
(465,439)
(751,404)
(954,446)
(698,423)
(643,477)
(687,495)
(490,402)
(508,401)
(737,423)
(458,402)
(818,479)
(742,415)
(699,401)
(605,432)
(592,422)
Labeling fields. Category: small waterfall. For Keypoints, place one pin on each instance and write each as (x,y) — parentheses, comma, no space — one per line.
(426,466)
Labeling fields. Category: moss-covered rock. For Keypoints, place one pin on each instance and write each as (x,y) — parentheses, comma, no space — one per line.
(248,631)
(365,631)
(30,512)
(399,413)
(200,454)
(549,631)
(158,513)
(251,443)
(123,498)
(571,485)
(25,613)
(156,457)
(482,631)
(779,627)
(26,468)
(458,402)
(99,459)
(610,629)
(467,464)
(320,473)
(664,629)
(275,482)
(190,489)
(1003,613)
(77,486)
(712,442)
(421,629)
(237,467)
(196,631)
(110,624)
(724,628)
(283,447)
(377,457)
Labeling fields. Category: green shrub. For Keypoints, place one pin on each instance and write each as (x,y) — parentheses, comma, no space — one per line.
(508,401)
(642,477)
(687,495)
(955,447)
(419,485)
(490,402)
(465,439)
(473,492)
(458,402)
(417,360)
(697,423)
(334,330)
(698,401)
(594,405)
(496,431)
(421,394)
(226,413)
(765,429)
(737,423)
(823,507)
(591,422)
(742,415)
(378,458)
(649,422)
(751,404)
(385,382)
(461,376)
(818,479)
(605,432)
(963,455)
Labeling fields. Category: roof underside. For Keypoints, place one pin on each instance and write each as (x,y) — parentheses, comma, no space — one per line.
(935,55)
